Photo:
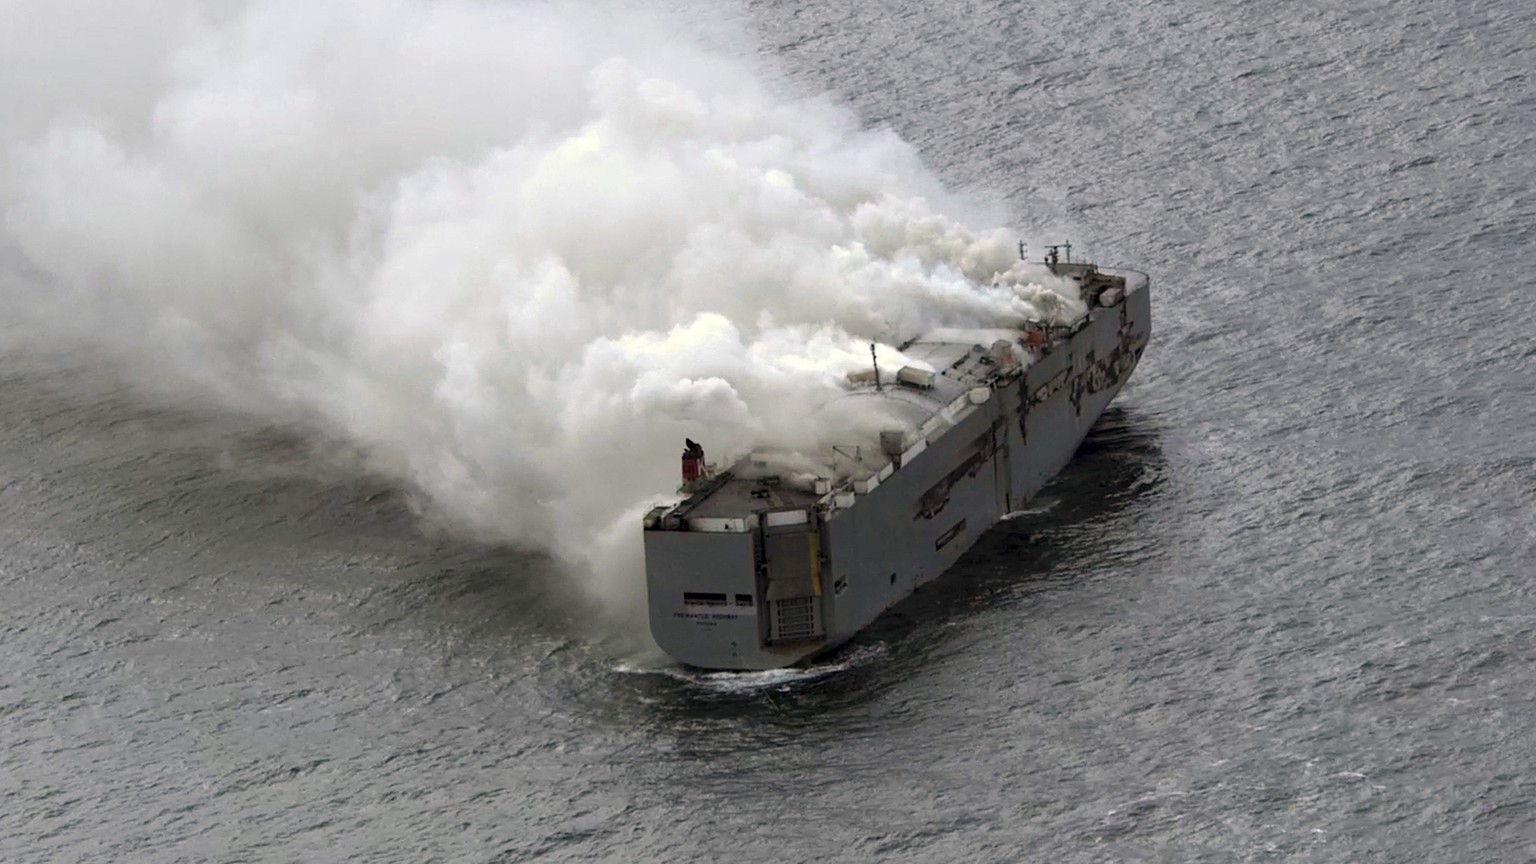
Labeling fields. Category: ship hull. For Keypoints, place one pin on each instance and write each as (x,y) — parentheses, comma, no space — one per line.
(915,525)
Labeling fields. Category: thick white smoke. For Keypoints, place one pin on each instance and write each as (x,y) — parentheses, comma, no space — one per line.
(515,252)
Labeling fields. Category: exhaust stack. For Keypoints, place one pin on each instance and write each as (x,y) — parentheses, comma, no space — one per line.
(693,462)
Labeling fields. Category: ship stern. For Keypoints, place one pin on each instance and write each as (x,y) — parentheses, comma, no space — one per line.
(741,598)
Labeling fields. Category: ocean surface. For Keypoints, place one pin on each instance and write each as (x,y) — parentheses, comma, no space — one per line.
(1280,607)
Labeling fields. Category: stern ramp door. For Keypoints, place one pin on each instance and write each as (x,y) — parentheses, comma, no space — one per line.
(793,569)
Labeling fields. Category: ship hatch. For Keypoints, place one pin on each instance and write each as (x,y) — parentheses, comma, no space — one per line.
(793,592)
(794,619)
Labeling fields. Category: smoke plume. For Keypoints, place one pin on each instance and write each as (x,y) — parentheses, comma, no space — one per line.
(515,252)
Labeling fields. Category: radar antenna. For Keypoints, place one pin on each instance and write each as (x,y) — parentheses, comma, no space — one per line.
(1054,254)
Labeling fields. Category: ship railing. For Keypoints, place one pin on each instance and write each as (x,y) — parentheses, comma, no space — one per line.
(1134,278)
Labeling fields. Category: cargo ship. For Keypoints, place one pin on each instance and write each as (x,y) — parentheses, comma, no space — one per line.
(761,567)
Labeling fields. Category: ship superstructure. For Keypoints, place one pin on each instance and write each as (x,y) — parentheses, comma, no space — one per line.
(760,567)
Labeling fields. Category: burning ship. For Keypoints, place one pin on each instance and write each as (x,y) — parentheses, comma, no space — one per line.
(760,568)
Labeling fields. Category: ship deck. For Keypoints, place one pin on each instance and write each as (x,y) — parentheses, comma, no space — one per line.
(738,496)
(959,360)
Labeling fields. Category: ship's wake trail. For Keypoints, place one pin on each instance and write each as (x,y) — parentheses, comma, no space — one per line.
(515,253)
(757,683)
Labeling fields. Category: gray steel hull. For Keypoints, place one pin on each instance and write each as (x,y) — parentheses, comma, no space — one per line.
(916,524)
